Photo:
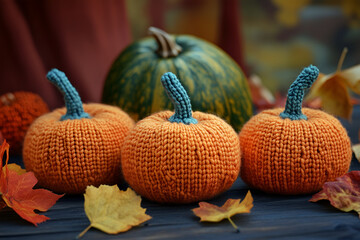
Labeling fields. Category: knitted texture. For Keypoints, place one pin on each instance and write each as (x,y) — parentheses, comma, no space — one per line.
(293,157)
(17,111)
(72,99)
(296,93)
(178,163)
(67,156)
(179,97)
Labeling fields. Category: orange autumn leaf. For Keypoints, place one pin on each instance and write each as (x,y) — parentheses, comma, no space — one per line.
(334,94)
(352,76)
(16,191)
(212,213)
(344,193)
(333,89)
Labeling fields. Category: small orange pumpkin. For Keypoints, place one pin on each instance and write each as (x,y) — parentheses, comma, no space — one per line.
(180,157)
(286,151)
(73,147)
(17,111)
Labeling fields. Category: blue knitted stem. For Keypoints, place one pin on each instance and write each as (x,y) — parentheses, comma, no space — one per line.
(179,98)
(297,91)
(74,107)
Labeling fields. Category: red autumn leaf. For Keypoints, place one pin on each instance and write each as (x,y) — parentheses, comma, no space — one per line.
(17,192)
(344,193)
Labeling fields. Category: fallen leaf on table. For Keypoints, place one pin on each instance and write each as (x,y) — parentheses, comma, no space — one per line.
(356,149)
(16,168)
(17,191)
(111,210)
(344,193)
(333,89)
(212,213)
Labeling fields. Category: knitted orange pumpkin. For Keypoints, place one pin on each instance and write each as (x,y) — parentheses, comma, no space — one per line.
(17,111)
(73,147)
(182,157)
(290,152)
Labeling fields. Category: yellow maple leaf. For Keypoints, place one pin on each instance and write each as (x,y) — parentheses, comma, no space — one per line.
(16,168)
(333,89)
(111,210)
(212,213)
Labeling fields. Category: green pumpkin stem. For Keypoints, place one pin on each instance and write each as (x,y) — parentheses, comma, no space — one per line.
(166,43)
(296,93)
(180,99)
(74,107)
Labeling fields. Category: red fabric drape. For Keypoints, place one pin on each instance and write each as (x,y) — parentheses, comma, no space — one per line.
(230,34)
(79,37)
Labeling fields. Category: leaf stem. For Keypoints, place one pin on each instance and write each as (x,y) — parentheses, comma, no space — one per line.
(234,225)
(83,232)
(341,59)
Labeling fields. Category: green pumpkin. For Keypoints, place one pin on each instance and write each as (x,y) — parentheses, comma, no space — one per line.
(213,80)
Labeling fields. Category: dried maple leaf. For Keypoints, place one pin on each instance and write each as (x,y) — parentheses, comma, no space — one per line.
(212,213)
(111,210)
(344,193)
(356,149)
(333,89)
(16,190)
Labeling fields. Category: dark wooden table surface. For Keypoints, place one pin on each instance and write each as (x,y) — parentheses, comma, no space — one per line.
(272,217)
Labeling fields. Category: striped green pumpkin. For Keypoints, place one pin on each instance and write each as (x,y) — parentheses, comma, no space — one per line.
(214,82)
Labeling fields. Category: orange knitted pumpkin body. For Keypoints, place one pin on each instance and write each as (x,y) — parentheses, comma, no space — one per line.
(293,156)
(67,156)
(17,111)
(179,163)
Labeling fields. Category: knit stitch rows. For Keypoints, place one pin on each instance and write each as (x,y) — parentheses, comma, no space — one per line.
(67,156)
(179,163)
(293,157)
